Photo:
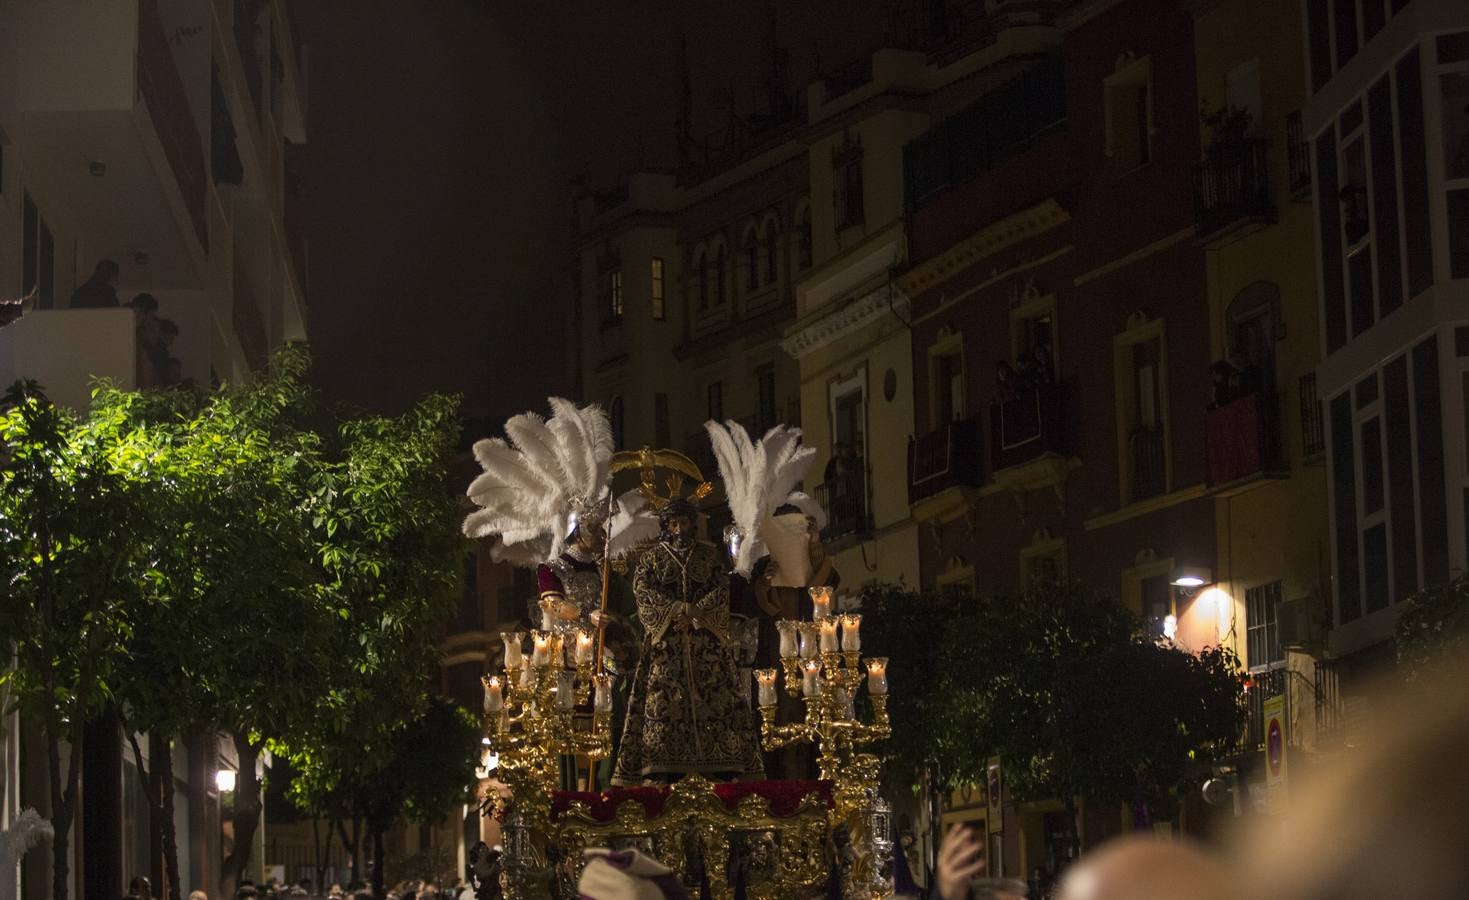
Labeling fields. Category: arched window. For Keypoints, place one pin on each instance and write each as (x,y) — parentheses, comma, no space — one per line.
(719,268)
(803,237)
(751,262)
(771,262)
(701,272)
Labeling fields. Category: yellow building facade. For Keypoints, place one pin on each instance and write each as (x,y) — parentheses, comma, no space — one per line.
(1271,592)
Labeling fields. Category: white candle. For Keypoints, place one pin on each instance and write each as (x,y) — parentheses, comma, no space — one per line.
(828,635)
(513,658)
(766,679)
(548,613)
(820,602)
(541,654)
(494,699)
(527,678)
(809,639)
(877,676)
(788,638)
(809,675)
(566,690)
(851,632)
(585,646)
(602,702)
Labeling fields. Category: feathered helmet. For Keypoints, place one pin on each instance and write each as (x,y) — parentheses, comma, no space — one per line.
(758,478)
(551,475)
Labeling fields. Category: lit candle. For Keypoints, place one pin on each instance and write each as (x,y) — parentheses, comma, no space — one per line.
(541,655)
(809,638)
(766,680)
(877,676)
(585,646)
(602,702)
(851,632)
(788,638)
(566,690)
(828,635)
(513,659)
(548,613)
(811,669)
(820,602)
(494,699)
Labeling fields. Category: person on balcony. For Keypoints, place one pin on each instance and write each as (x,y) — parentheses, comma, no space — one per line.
(99,291)
(1005,386)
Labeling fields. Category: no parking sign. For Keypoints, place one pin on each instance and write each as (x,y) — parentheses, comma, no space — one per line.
(1275,755)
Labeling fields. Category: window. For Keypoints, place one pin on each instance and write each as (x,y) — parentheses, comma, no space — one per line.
(714,396)
(772,255)
(1033,331)
(765,398)
(844,480)
(1043,563)
(719,268)
(660,420)
(614,417)
(655,282)
(1129,113)
(946,378)
(38,252)
(803,238)
(614,294)
(1262,626)
(846,182)
(752,261)
(1156,595)
(701,272)
(1453,50)
(1141,371)
(850,201)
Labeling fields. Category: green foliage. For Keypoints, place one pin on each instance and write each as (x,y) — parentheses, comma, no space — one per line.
(236,559)
(1061,684)
(1433,632)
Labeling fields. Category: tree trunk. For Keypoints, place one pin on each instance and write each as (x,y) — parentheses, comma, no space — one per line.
(62,810)
(246,816)
(160,747)
(323,852)
(377,864)
(1073,829)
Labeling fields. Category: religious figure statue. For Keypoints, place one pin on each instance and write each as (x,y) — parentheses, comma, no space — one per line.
(686,713)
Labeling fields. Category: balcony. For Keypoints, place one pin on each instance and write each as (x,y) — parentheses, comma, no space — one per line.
(943,459)
(844,497)
(1232,192)
(1026,428)
(1243,442)
(63,350)
(111,115)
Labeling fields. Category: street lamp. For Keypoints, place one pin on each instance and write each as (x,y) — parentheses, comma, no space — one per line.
(224,780)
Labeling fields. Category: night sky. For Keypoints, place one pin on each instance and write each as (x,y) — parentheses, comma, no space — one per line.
(444,136)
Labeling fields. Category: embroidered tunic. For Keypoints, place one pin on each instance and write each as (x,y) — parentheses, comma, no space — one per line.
(686,713)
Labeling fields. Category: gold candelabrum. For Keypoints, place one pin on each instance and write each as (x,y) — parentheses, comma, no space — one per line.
(823,665)
(530,722)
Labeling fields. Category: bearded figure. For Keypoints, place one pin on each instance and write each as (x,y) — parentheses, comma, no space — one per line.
(686,713)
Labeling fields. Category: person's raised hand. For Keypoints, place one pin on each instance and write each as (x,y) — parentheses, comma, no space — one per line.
(961,858)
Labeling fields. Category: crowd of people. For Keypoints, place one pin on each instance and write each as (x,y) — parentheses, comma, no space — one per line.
(140,888)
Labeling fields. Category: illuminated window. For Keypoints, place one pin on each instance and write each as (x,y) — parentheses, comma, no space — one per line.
(655,280)
(614,294)
(1262,605)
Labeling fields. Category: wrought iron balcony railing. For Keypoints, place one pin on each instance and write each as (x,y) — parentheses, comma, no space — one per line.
(1232,188)
(944,458)
(1026,427)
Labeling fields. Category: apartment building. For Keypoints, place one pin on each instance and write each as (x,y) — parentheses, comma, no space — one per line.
(164,135)
(1388,121)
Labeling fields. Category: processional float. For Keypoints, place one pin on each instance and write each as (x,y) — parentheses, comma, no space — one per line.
(552,698)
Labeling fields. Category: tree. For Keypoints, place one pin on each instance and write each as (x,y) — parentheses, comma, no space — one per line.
(72,549)
(1061,684)
(1432,634)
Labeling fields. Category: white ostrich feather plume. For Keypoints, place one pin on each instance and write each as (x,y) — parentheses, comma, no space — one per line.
(634,525)
(26,832)
(538,482)
(758,477)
